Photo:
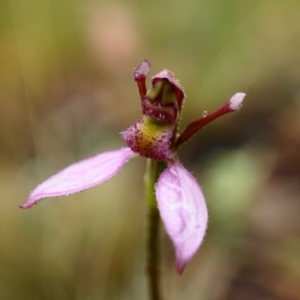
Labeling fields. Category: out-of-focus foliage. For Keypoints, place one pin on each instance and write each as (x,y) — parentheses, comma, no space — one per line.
(67,90)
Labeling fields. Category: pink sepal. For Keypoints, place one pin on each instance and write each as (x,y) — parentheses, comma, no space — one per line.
(82,175)
(183,210)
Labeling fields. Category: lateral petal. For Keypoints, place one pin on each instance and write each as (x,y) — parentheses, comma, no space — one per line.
(82,175)
(183,210)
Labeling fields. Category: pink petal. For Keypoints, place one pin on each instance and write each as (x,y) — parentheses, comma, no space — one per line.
(183,210)
(82,175)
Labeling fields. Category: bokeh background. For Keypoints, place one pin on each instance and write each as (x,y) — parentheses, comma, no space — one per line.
(67,90)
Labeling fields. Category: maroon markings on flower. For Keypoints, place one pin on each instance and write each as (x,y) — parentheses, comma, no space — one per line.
(82,175)
(183,210)
(163,101)
(163,115)
(149,139)
(160,103)
(165,74)
(231,105)
(140,74)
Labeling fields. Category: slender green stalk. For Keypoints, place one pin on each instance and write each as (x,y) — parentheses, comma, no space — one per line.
(153,242)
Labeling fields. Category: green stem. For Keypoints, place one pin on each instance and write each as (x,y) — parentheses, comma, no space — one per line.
(153,245)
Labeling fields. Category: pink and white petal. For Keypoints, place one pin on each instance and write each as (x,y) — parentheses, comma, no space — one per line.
(82,175)
(183,210)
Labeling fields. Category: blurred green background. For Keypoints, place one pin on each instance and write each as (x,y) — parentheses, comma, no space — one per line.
(67,90)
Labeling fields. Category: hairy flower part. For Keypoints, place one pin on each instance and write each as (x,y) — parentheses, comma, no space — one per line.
(82,175)
(141,72)
(150,139)
(161,105)
(183,210)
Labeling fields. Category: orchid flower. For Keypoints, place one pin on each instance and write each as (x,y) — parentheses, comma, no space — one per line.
(155,136)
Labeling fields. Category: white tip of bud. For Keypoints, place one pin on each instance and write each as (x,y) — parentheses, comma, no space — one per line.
(236,100)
